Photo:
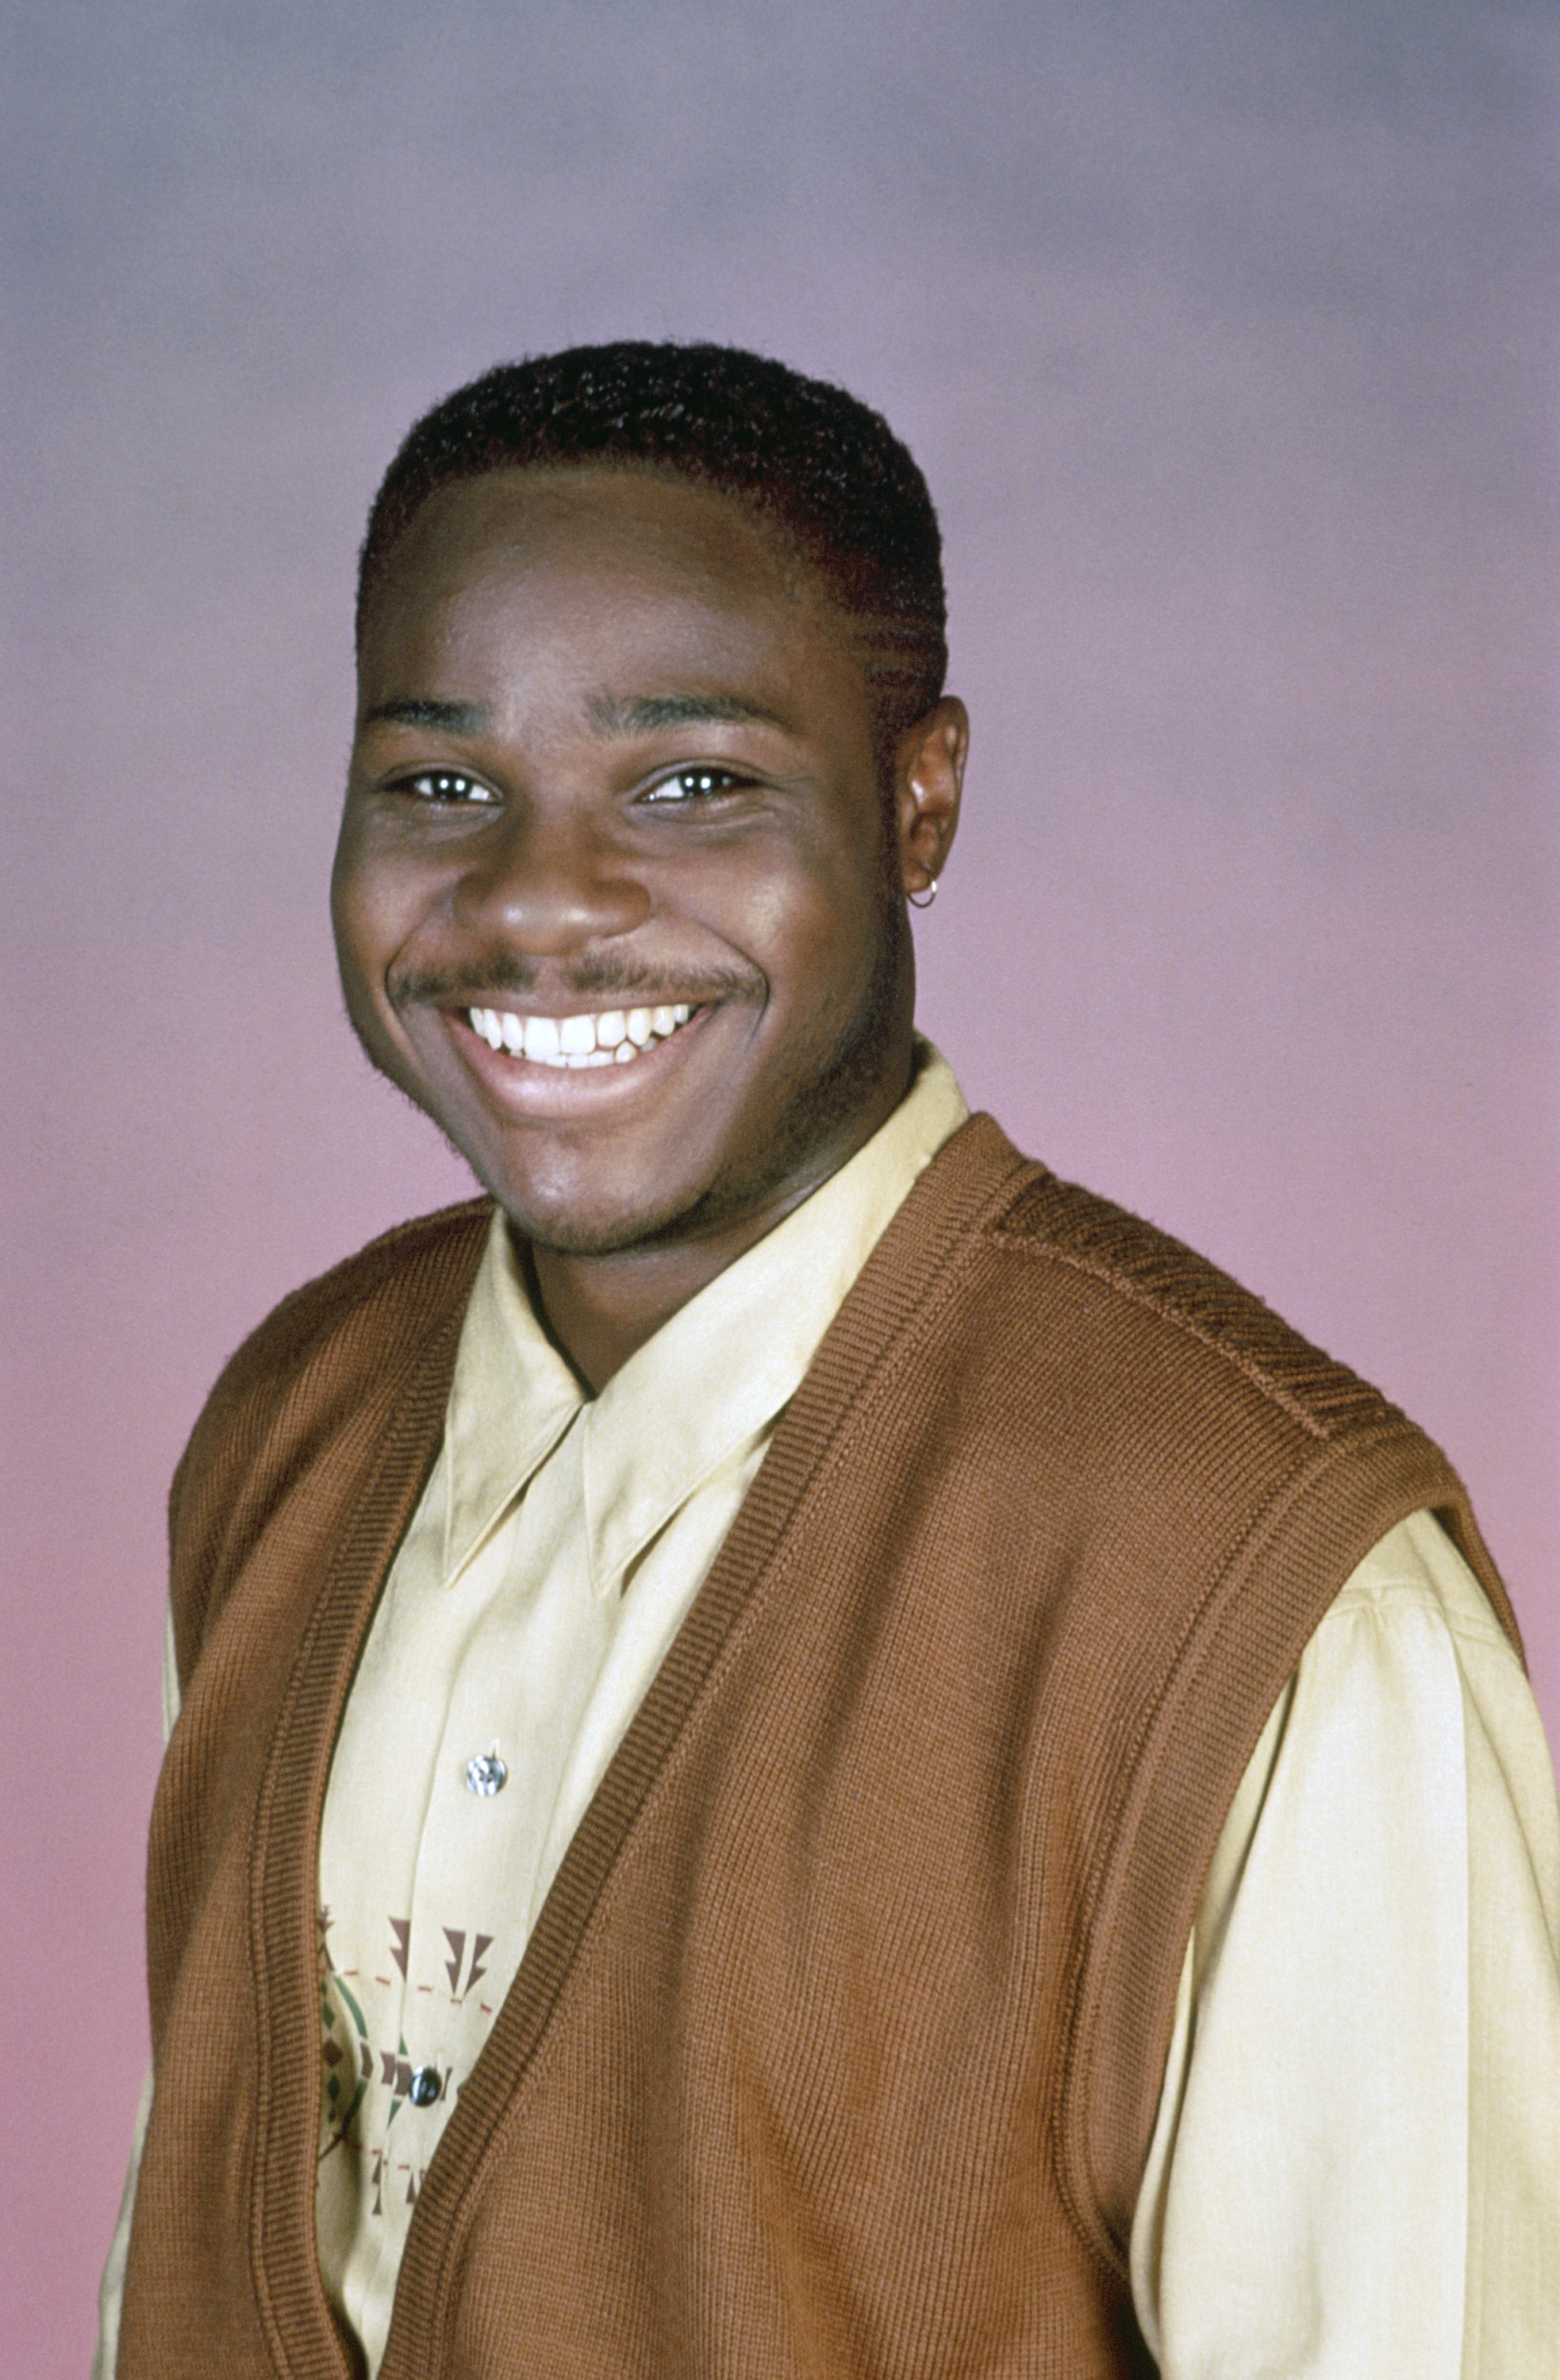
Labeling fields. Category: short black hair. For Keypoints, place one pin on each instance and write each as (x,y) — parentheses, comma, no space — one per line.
(809,459)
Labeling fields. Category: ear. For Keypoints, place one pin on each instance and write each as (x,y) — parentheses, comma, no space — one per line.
(927,777)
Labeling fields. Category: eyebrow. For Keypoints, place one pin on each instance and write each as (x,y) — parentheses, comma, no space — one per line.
(642,714)
(421,710)
(637,715)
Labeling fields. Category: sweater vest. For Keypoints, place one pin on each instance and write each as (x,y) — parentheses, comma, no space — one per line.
(836,2048)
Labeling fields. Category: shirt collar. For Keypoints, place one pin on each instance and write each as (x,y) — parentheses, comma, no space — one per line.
(709,1381)
(510,1402)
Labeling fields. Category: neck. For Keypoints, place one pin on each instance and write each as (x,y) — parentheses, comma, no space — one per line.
(601,1309)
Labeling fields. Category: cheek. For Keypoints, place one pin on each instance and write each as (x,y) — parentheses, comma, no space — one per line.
(830,936)
(374,905)
(366,936)
(807,910)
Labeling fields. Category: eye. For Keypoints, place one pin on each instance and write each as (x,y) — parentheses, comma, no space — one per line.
(446,786)
(694,785)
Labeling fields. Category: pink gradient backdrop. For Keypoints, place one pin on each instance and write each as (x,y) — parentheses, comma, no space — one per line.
(1223,334)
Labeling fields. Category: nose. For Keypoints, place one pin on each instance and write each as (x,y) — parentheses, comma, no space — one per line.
(550,883)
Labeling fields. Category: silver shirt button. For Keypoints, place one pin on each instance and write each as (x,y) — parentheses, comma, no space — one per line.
(486,1775)
(425,2085)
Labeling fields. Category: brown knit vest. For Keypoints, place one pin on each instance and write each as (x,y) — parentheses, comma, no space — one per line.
(836,2048)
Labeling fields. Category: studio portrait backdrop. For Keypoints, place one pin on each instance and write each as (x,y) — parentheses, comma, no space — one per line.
(1223,334)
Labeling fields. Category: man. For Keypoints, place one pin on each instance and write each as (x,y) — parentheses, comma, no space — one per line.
(803,1751)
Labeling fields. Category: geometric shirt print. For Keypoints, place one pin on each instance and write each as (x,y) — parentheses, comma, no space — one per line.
(366,2066)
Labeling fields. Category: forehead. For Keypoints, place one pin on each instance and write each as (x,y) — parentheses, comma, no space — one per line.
(531,547)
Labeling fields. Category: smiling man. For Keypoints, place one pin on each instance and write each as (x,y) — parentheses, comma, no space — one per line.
(802,1750)
(620,892)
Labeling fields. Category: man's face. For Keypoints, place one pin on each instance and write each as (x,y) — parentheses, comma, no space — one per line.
(618,896)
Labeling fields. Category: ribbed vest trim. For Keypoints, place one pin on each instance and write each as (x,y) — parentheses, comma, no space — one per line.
(1208,1713)
(284,1890)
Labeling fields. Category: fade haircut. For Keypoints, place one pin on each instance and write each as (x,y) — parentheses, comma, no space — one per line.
(810,461)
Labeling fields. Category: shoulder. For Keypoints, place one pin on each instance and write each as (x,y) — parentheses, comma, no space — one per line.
(398,1283)
(1047,1262)
(320,1354)
(1200,1366)
(1183,1385)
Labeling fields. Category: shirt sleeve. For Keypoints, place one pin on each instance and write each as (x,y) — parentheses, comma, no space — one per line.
(111,2291)
(1356,2165)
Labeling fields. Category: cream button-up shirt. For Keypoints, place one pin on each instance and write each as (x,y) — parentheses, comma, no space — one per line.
(1356,2167)
(557,1548)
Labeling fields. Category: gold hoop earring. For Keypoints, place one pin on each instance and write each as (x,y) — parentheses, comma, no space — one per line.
(923,900)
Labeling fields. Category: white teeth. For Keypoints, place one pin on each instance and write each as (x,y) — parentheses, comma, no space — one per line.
(583,1040)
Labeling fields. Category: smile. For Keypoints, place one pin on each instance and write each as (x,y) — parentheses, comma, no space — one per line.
(611,1037)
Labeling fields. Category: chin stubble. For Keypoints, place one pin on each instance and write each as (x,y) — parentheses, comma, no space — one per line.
(814,1108)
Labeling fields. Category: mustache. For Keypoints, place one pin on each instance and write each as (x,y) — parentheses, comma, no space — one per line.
(586,979)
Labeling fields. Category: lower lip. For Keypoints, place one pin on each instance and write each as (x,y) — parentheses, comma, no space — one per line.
(528,1088)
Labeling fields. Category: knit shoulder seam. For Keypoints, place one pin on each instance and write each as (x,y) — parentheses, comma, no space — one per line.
(1178,1317)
